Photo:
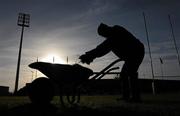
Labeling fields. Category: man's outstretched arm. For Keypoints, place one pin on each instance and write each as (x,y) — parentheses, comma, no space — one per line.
(99,51)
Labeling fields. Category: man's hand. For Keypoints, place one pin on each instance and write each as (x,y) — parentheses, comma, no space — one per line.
(85,58)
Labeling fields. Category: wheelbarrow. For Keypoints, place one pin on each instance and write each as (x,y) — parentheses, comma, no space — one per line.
(71,79)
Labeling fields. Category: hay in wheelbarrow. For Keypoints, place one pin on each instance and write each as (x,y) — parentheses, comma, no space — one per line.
(63,73)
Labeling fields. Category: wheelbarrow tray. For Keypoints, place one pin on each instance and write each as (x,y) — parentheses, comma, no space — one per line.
(63,73)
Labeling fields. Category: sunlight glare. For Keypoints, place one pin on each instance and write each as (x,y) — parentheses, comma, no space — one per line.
(53,58)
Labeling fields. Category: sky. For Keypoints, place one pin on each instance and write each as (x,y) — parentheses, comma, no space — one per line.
(68,28)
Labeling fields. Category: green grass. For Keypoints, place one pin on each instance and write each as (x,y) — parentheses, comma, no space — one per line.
(161,105)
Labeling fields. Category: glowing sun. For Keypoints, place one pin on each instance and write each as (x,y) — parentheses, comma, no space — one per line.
(53,58)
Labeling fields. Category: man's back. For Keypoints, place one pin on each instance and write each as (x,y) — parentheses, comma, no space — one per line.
(123,43)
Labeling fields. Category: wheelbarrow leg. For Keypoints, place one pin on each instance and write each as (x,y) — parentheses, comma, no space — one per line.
(74,96)
(61,96)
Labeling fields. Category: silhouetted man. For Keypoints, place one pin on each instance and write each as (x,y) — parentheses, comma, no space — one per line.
(129,49)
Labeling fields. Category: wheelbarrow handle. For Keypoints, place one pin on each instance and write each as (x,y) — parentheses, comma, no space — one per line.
(106,68)
(107,72)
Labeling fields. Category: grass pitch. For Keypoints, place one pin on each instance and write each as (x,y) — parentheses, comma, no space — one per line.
(167,104)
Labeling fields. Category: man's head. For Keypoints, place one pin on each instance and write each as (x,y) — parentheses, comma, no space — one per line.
(104,30)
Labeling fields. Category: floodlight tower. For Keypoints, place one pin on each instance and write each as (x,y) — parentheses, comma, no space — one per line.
(23,21)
